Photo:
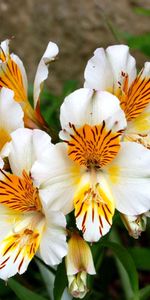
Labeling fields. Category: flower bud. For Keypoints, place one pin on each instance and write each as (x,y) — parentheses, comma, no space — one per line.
(134,224)
(79,262)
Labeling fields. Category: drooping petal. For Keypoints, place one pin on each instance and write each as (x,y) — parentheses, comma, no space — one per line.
(25,147)
(53,245)
(94,208)
(85,106)
(57,177)
(11,116)
(129,178)
(42,70)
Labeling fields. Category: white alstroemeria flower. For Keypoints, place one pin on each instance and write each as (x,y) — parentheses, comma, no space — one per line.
(114,70)
(93,171)
(27,224)
(13,76)
(11,116)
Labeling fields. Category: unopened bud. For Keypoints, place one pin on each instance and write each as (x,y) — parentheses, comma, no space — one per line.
(79,263)
(134,224)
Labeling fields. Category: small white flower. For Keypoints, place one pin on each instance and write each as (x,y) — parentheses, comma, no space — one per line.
(114,70)
(27,223)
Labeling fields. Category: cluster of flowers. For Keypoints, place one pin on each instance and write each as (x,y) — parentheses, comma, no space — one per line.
(101,164)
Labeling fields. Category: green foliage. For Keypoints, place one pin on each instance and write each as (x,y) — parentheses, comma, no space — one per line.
(22,292)
(142,11)
(123,255)
(60,281)
(140,42)
(145,293)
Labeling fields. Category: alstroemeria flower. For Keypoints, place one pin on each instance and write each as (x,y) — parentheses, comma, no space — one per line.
(114,70)
(13,76)
(11,116)
(27,223)
(93,171)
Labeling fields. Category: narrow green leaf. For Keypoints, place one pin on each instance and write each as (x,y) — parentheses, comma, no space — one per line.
(60,282)
(22,292)
(145,293)
(125,258)
(141,257)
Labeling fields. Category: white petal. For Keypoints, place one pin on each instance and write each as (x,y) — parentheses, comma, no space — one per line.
(93,214)
(5,47)
(103,71)
(26,147)
(53,246)
(57,177)
(42,70)
(76,108)
(85,106)
(92,232)
(129,178)
(18,61)
(11,114)
(14,246)
(98,73)
(146,70)
(121,61)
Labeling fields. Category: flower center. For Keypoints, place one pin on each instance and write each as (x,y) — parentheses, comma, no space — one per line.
(18,193)
(24,213)
(93,146)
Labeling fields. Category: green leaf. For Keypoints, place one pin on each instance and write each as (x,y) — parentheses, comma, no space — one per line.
(141,42)
(60,282)
(145,293)
(69,87)
(141,257)
(142,11)
(125,258)
(22,292)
